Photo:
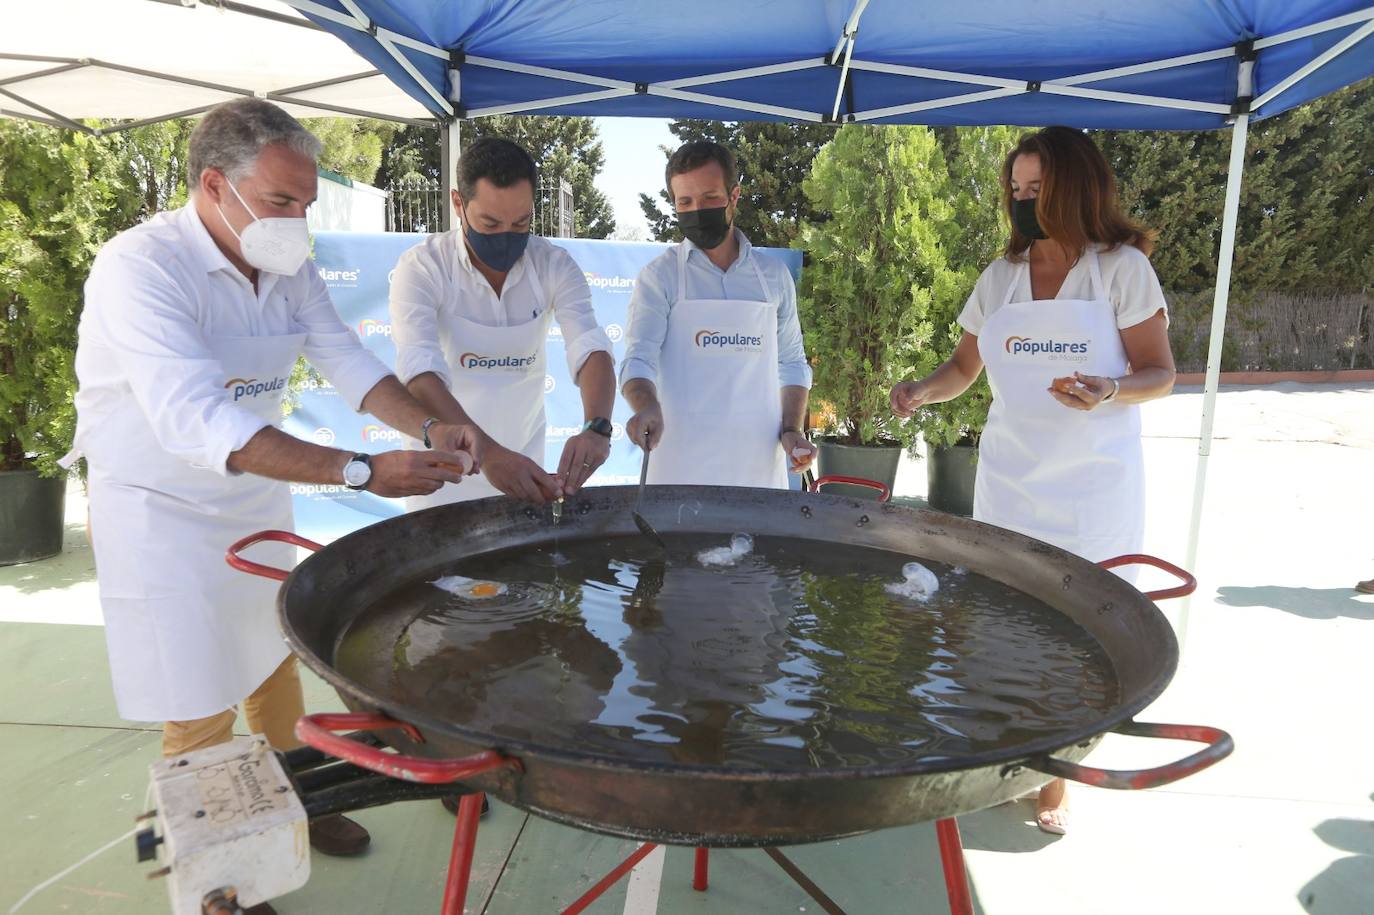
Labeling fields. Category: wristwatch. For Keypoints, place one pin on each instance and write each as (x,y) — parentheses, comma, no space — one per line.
(600,425)
(358,472)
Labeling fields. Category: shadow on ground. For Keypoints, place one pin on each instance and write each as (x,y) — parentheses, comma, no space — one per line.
(74,565)
(1312,603)
(1005,828)
(1347,884)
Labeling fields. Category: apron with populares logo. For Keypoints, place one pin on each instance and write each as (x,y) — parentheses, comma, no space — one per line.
(1069,477)
(499,380)
(719,389)
(188,636)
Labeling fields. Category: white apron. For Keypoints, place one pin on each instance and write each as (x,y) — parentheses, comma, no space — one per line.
(188,636)
(499,380)
(718,385)
(1068,477)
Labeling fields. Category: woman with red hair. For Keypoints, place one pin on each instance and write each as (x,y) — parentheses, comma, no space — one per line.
(1072,327)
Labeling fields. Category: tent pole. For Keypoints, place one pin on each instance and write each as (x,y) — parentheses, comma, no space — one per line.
(449,147)
(1235,170)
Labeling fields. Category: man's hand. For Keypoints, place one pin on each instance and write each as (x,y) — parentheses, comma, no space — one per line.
(1080,392)
(465,438)
(416,473)
(906,397)
(799,450)
(650,421)
(519,477)
(583,453)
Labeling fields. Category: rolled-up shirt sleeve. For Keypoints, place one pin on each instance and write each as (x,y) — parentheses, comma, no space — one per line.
(572,309)
(333,348)
(648,326)
(415,321)
(792,366)
(174,376)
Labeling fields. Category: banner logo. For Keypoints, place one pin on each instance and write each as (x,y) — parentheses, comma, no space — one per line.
(371,327)
(339,276)
(373,433)
(615,332)
(324,436)
(251,387)
(549,384)
(609,283)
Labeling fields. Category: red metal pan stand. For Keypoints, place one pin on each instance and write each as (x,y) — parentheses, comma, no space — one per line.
(317,731)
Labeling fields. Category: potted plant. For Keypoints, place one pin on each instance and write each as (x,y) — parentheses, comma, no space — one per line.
(971,238)
(53,201)
(877,276)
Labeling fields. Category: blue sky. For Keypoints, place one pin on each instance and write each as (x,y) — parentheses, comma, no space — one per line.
(633,165)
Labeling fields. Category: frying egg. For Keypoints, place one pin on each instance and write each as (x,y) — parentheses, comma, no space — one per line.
(470,588)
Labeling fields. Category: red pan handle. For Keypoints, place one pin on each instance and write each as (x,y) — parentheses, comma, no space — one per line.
(854,481)
(1219,746)
(316,730)
(256,568)
(1189,582)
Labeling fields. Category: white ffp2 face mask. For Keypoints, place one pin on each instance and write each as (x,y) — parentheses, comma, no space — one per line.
(278,244)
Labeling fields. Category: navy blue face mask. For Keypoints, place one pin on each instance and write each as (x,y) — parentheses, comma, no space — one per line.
(1023,217)
(498,250)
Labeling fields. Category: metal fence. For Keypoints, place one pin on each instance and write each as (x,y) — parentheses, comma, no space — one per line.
(417,205)
(1276,331)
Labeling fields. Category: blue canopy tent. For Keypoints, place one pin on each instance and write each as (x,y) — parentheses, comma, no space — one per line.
(1164,65)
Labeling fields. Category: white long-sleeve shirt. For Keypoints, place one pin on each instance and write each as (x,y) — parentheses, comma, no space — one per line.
(656,292)
(156,294)
(437,277)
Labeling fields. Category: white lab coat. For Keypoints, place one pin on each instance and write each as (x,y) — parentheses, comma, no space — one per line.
(180,362)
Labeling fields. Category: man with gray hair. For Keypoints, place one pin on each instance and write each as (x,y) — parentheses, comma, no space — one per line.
(192,323)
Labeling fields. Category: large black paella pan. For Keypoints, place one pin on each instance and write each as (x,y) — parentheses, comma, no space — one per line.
(797,684)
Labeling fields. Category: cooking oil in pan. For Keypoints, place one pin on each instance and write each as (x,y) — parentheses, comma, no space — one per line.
(791,654)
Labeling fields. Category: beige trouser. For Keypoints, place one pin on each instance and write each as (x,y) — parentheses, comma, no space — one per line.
(272,710)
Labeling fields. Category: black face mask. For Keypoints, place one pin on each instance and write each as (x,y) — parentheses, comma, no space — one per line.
(1023,217)
(704,228)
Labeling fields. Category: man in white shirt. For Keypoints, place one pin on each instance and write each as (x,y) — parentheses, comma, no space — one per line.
(714,366)
(192,323)
(470,313)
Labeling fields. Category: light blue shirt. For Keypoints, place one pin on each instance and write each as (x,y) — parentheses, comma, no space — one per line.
(656,293)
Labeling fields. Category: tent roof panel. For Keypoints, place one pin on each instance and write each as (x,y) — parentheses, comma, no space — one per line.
(649,43)
(201,43)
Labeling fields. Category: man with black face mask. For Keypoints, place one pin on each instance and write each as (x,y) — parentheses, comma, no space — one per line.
(470,313)
(714,367)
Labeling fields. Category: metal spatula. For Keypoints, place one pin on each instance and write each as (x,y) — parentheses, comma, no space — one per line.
(645,527)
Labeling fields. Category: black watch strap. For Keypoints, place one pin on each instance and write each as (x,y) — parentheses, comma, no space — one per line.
(600,425)
(359,458)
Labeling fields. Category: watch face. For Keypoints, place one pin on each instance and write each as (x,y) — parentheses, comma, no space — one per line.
(600,426)
(357,473)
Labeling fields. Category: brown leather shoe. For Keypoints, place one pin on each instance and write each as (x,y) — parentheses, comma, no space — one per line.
(262,908)
(1366,586)
(338,835)
(451,805)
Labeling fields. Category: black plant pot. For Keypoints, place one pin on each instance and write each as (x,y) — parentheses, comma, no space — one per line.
(32,509)
(866,462)
(951,471)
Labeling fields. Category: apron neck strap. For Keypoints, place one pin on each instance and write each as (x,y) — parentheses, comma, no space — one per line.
(1099,291)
